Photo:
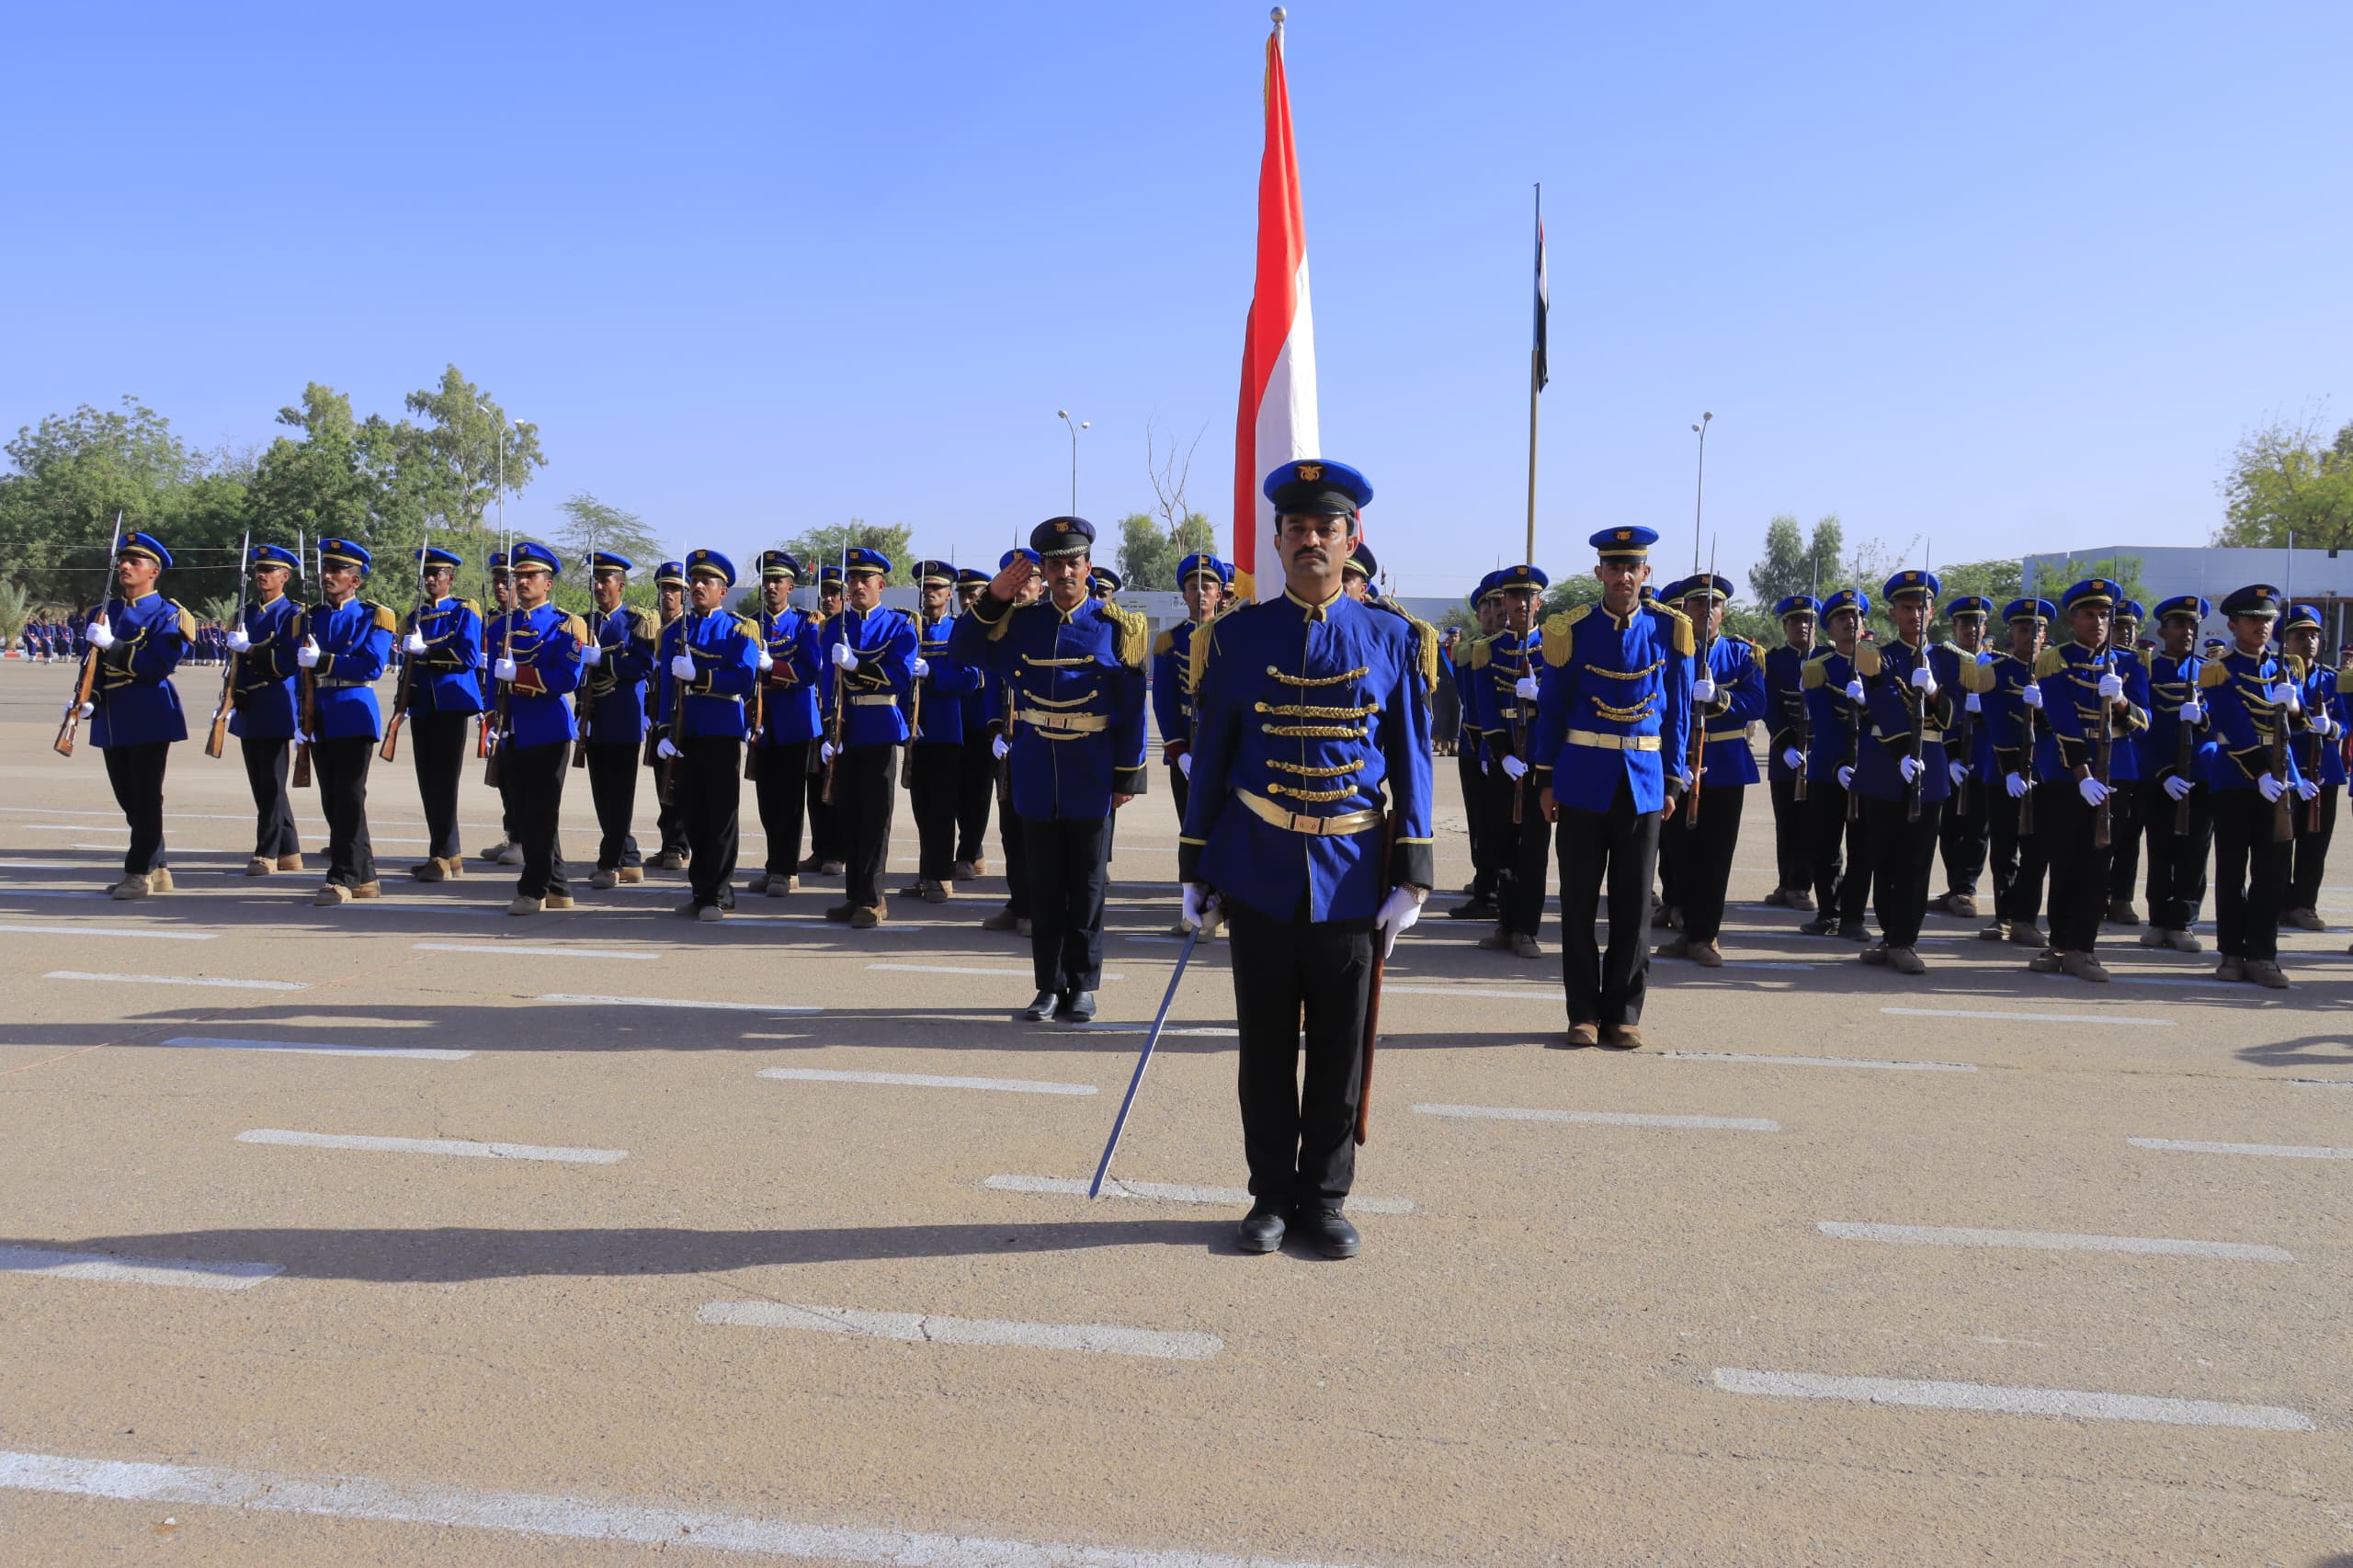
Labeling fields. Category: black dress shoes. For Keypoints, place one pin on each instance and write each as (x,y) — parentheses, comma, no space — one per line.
(1077,1006)
(1040,1008)
(1326,1232)
(1262,1229)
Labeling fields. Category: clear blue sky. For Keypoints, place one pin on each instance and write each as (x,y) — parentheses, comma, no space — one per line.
(2013,276)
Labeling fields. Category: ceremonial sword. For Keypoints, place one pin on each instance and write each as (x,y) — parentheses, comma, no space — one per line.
(1143,1060)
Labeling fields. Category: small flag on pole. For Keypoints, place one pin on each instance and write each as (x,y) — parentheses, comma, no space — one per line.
(1543,297)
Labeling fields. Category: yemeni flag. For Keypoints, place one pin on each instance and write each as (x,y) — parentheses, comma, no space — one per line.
(1543,297)
(1275,421)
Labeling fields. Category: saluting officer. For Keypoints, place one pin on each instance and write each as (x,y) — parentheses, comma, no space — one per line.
(1202,579)
(1834,705)
(1967,823)
(443,644)
(1610,742)
(871,650)
(2012,725)
(1503,695)
(670,604)
(139,638)
(1471,764)
(999,693)
(1307,706)
(1910,701)
(976,774)
(2177,755)
(707,661)
(2251,703)
(2320,758)
(346,642)
(610,707)
(1727,696)
(539,664)
(1785,768)
(261,703)
(785,722)
(1074,664)
(936,739)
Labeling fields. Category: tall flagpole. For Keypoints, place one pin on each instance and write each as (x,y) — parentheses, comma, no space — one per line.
(1536,370)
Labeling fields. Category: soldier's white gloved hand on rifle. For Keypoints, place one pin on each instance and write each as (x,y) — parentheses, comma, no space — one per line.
(999,746)
(1398,913)
(239,643)
(920,668)
(1185,764)
(1973,705)
(767,661)
(845,656)
(301,736)
(592,654)
(2323,725)
(683,666)
(1525,687)
(1514,769)
(1198,900)
(101,636)
(85,708)
(414,643)
(2111,686)
(2307,789)
(2014,783)
(1703,689)
(1855,690)
(2269,787)
(2031,695)
(665,750)
(1924,679)
(2193,712)
(503,670)
(1794,758)
(2091,789)
(2282,692)
(2178,788)
(1958,772)
(1909,766)
(1846,776)
(308,654)
(826,751)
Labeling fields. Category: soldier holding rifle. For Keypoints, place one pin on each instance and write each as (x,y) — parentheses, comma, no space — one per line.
(709,661)
(346,642)
(1202,579)
(2321,760)
(1967,822)
(133,644)
(539,665)
(670,603)
(870,652)
(976,774)
(2252,702)
(826,852)
(508,850)
(1473,765)
(441,693)
(610,703)
(261,704)
(932,766)
(2090,706)
(1504,687)
(1835,705)
(1913,690)
(1790,734)
(1727,695)
(2129,799)
(2175,755)
(786,725)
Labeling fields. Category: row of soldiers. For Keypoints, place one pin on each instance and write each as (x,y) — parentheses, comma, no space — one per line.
(2041,760)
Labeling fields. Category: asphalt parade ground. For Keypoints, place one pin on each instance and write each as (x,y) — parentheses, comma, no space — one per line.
(405,1232)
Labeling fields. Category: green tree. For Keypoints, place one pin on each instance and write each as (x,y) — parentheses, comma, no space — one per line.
(15,609)
(1148,554)
(75,473)
(2056,578)
(2289,478)
(1996,580)
(1795,563)
(593,525)
(317,484)
(814,547)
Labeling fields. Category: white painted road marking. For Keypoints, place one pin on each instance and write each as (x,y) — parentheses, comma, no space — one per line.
(1165,1192)
(950,968)
(918,1327)
(135,1270)
(409,1053)
(1603,1118)
(1756,963)
(2276,1151)
(2323,1083)
(1171,1032)
(49,892)
(675,1002)
(532,952)
(177,979)
(1523,994)
(2028,1018)
(431,1146)
(1819,1061)
(568,1518)
(2076,1404)
(2050,1240)
(114,931)
(925,1080)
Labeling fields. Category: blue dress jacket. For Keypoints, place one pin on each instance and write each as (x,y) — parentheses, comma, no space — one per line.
(1172,698)
(1491,702)
(788,690)
(355,641)
(545,645)
(136,702)
(1835,719)
(447,677)
(1785,708)
(2324,757)
(2172,682)
(942,721)
(610,703)
(1614,706)
(261,695)
(1738,668)
(2069,677)
(726,652)
(1890,700)
(1076,682)
(885,642)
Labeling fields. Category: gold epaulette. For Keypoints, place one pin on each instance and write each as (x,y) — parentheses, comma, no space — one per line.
(2212,673)
(1757,650)
(385,620)
(575,628)
(2294,665)
(749,627)
(1868,661)
(188,621)
(2049,662)
(1134,639)
(1559,640)
(1481,655)
(1815,673)
(1975,676)
(1196,654)
(469,604)
(1165,644)
(1684,644)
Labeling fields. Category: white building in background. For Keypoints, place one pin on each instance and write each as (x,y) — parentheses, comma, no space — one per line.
(2318,577)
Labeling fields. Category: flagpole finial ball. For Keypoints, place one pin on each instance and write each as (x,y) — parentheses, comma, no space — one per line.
(1278,14)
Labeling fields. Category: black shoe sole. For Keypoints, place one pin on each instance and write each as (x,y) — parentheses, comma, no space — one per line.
(1255,1246)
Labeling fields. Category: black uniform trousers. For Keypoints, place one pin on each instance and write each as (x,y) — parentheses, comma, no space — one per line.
(866,791)
(1903,856)
(340,768)
(534,775)
(1520,858)
(2251,870)
(137,774)
(1064,869)
(1703,853)
(2311,848)
(669,816)
(612,785)
(1621,846)
(1180,790)
(1841,890)
(934,787)
(438,745)
(1792,836)
(1295,985)
(1962,836)
(1475,821)
(266,762)
(2018,862)
(976,788)
(1011,834)
(782,793)
(2126,808)
(709,796)
(2078,866)
(2177,861)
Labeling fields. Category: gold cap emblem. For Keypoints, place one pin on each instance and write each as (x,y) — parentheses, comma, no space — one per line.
(1310,471)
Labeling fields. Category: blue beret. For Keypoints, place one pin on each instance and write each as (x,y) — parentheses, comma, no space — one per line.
(2257,599)
(531,552)
(1199,565)
(1705,582)
(2190,605)
(432,555)
(671,574)
(2091,591)
(1797,604)
(147,545)
(2300,615)
(1970,604)
(1061,536)
(931,574)
(858,558)
(345,552)
(1846,598)
(1316,487)
(1624,544)
(779,564)
(2130,610)
(1521,576)
(1018,552)
(710,560)
(1363,563)
(2029,610)
(272,556)
(1911,582)
(606,561)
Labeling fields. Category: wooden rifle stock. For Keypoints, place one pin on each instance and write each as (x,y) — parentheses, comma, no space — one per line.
(2104,760)
(2185,753)
(1912,791)
(1372,995)
(2283,812)
(665,771)
(584,703)
(1855,740)
(1805,734)
(914,728)
(82,688)
(218,741)
(391,747)
(1520,738)
(759,712)
(841,706)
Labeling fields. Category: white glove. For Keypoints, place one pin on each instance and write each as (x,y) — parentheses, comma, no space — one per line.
(1199,902)
(1854,690)
(2307,789)
(2193,712)
(101,637)
(2014,783)
(2031,695)
(85,709)
(920,668)
(1909,766)
(1525,687)
(503,670)
(845,656)
(414,642)
(1398,913)
(1973,705)
(1514,769)
(767,661)
(2269,787)
(1794,758)
(592,654)
(1846,777)
(1703,689)
(1185,764)
(665,749)
(1958,772)
(300,737)
(308,654)
(2282,692)
(2323,725)
(2092,791)
(826,751)
(999,746)
(2178,788)
(239,643)
(1924,679)
(2111,686)
(683,666)
(1487,765)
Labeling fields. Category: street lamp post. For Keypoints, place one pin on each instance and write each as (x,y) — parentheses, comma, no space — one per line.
(1063,414)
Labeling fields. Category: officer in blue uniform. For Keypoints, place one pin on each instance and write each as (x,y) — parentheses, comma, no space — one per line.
(1788,731)
(2320,758)
(708,662)
(1104,583)
(1966,827)
(826,852)
(443,644)
(2176,757)
(261,704)
(2252,704)
(539,664)
(1503,691)
(2079,687)
(2011,727)
(1911,692)
(1609,744)
(868,654)
(999,695)
(1834,708)
(1471,764)
(139,638)
(1360,576)
(508,850)
(935,759)
(670,604)
(1727,696)
(345,643)
(2126,806)
(610,708)
(785,724)
(1306,706)
(1200,579)
(976,774)
(1075,666)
